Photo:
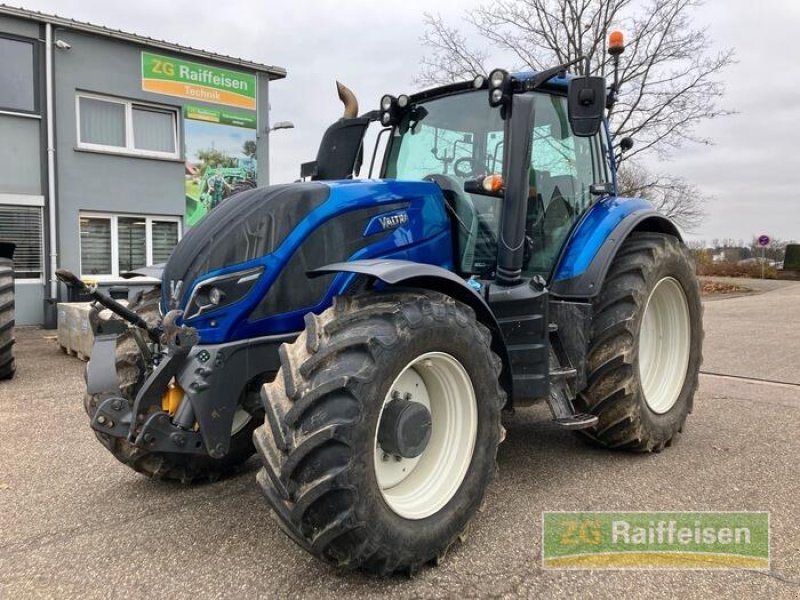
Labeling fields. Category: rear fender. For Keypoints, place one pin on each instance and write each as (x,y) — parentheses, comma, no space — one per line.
(585,261)
(430,277)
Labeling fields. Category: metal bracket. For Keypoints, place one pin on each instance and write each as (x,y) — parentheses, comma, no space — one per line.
(113,417)
(101,372)
(158,434)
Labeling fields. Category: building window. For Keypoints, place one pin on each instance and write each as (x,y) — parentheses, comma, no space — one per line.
(22,225)
(114,244)
(127,127)
(17,75)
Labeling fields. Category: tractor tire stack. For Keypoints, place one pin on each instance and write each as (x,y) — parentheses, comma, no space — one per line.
(7,367)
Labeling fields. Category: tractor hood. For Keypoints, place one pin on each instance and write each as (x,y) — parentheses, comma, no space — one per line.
(247,226)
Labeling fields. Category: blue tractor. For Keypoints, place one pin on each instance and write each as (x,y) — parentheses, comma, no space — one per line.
(365,335)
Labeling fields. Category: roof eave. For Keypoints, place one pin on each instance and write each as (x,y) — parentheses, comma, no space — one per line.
(272,71)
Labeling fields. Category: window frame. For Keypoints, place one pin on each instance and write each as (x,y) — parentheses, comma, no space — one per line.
(35,78)
(130,141)
(114,276)
(32,202)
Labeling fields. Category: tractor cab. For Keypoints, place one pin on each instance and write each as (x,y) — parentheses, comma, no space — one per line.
(528,145)
(455,138)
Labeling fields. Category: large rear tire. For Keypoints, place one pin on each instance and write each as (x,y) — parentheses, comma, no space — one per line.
(339,484)
(7,364)
(186,468)
(646,346)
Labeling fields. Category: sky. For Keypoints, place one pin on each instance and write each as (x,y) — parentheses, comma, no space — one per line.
(751,172)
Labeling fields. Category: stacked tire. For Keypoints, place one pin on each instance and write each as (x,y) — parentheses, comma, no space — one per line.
(7,366)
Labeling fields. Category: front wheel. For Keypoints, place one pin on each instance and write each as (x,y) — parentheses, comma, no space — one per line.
(382,430)
(646,346)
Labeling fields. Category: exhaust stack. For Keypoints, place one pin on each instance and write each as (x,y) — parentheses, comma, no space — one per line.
(349,100)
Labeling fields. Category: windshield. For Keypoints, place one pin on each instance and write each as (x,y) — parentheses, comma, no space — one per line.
(459,137)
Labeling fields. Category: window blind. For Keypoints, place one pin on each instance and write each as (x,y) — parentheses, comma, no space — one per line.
(22,225)
(95,246)
(102,122)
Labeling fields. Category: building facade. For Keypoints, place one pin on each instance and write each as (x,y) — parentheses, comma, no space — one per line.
(113,145)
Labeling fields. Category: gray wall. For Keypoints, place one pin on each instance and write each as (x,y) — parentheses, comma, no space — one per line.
(96,181)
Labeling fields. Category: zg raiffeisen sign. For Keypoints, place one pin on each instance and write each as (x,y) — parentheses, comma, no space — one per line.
(175,77)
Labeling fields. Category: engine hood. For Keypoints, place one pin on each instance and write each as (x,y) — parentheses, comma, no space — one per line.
(245,226)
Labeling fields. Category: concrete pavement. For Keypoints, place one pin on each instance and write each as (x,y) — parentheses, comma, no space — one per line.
(755,336)
(76,524)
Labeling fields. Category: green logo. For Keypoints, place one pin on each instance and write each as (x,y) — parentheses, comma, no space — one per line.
(655,540)
(176,77)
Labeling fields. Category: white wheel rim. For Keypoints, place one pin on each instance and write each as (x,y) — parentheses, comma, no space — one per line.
(664,344)
(416,488)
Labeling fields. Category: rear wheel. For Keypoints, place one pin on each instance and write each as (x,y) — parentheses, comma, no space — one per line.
(646,346)
(382,430)
(164,465)
(7,365)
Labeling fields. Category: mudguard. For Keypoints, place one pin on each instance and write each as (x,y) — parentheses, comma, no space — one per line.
(586,258)
(431,277)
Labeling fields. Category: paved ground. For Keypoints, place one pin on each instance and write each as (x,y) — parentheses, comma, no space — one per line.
(74,523)
(756,335)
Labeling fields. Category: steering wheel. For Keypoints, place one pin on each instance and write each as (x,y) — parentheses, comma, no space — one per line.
(460,171)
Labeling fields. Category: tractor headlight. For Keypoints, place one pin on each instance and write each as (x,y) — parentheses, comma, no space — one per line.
(224,290)
(500,87)
(497,78)
(394,109)
(386,103)
(216,296)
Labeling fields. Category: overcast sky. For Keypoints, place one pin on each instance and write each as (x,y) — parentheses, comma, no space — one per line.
(752,171)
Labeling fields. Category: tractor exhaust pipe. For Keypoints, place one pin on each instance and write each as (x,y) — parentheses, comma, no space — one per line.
(348,98)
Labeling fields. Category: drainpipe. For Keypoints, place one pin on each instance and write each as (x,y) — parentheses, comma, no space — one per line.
(51,159)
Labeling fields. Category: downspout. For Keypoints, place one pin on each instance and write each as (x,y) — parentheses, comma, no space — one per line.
(51,159)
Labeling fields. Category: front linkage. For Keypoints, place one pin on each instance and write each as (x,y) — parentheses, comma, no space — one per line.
(189,392)
(164,353)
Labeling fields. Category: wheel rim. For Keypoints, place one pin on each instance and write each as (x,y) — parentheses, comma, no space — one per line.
(416,488)
(664,343)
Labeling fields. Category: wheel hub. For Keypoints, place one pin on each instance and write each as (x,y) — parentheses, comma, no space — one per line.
(405,428)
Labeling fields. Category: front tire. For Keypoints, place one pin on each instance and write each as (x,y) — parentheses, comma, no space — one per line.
(336,484)
(645,349)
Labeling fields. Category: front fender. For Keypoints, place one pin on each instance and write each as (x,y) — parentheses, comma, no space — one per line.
(430,277)
(587,256)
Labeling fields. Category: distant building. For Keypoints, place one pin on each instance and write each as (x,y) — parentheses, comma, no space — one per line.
(113,144)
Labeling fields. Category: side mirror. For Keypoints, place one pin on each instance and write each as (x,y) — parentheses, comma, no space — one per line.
(586,105)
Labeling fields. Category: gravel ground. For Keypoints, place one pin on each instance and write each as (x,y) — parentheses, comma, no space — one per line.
(74,523)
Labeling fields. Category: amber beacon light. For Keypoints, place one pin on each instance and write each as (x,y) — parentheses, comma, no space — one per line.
(616,43)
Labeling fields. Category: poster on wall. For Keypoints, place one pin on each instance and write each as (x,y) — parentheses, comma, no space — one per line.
(220,141)
(220,157)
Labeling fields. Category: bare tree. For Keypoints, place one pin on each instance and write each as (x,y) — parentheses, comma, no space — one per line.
(672,196)
(669,73)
